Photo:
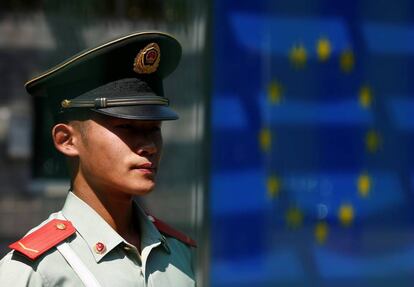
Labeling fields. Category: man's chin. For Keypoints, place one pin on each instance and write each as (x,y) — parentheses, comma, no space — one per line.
(143,190)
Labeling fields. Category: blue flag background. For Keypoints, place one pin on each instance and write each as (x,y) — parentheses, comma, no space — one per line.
(312,136)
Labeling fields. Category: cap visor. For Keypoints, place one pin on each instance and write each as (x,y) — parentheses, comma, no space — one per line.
(143,112)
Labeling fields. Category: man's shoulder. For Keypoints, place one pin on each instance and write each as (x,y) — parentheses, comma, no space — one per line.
(41,238)
(33,257)
(44,238)
(178,247)
(169,231)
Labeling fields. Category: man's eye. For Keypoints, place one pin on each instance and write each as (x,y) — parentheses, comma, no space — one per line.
(124,126)
(129,127)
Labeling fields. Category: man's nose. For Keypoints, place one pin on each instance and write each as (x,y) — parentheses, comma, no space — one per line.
(147,148)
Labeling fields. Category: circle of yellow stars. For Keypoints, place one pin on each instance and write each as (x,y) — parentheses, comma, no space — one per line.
(298,56)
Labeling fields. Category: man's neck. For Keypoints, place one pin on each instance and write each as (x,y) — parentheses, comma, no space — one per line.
(115,208)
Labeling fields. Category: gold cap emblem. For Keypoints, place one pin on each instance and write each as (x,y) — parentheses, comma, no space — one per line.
(148,59)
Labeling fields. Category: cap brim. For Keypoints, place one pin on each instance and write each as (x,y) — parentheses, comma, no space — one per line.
(143,113)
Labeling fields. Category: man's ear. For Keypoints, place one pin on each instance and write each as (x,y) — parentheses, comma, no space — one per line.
(64,138)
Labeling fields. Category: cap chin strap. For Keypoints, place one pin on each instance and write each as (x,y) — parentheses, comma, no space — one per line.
(98,103)
(86,276)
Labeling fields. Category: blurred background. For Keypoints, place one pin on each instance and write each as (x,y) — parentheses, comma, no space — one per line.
(36,35)
(291,162)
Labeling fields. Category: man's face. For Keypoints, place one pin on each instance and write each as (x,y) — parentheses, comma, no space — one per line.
(119,155)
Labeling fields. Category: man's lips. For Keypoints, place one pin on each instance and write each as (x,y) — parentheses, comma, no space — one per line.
(145,165)
(145,168)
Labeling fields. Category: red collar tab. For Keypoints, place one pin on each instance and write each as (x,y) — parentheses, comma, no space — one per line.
(41,240)
(169,231)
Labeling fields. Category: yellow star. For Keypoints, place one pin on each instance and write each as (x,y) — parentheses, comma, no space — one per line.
(298,56)
(346,214)
(294,217)
(265,139)
(273,186)
(321,232)
(347,61)
(364,185)
(274,92)
(323,49)
(373,141)
(365,96)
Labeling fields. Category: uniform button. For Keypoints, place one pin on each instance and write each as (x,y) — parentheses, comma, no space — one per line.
(60,226)
(100,247)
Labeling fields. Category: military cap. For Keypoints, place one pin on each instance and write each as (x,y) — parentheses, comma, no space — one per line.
(122,78)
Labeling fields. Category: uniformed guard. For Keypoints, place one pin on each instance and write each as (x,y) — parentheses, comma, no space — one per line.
(108,104)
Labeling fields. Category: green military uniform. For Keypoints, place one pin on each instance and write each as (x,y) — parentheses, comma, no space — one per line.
(163,260)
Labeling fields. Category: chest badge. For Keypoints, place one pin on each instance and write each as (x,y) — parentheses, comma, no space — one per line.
(99,247)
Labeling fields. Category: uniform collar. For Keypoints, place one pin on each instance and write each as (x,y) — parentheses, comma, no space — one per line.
(149,233)
(94,230)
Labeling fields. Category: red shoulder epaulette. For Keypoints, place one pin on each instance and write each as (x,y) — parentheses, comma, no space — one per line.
(41,240)
(168,230)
